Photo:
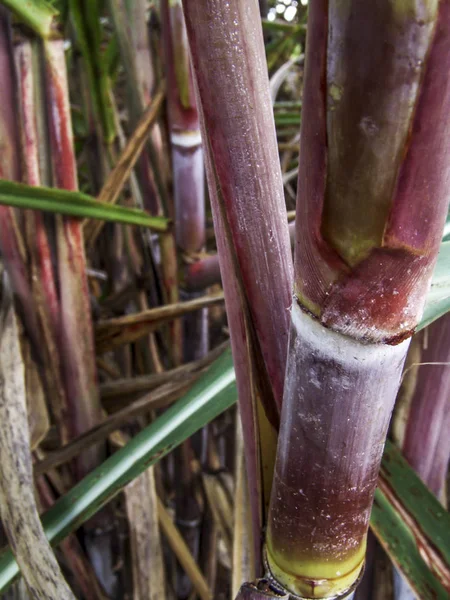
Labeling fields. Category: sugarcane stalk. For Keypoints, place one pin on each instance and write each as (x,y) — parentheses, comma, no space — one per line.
(251,200)
(185,136)
(11,241)
(322,493)
(370,213)
(189,210)
(43,284)
(202,273)
(76,338)
(245,186)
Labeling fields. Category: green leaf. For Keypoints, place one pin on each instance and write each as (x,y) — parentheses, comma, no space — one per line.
(86,20)
(287,118)
(411,524)
(209,397)
(75,204)
(438,299)
(39,15)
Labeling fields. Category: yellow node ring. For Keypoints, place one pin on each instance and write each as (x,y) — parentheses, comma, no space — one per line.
(309,586)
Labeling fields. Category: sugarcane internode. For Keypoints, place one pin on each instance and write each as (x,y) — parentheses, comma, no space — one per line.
(337,404)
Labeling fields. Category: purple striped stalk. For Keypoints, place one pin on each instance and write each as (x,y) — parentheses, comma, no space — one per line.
(11,243)
(187,160)
(43,283)
(76,343)
(185,136)
(373,197)
(228,57)
(246,191)
(189,211)
(76,336)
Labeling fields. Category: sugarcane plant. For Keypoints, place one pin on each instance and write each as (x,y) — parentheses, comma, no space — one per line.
(319,337)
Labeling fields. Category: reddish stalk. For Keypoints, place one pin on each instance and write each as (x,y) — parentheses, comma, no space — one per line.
(246,191)
(43,285)
(76,342)
(228,57)
(189,210)
(185,136)
(369,130)
(11,242)
(202,273)
(76,336)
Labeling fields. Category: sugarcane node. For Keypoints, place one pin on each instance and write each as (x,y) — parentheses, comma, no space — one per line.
(282,591)
(370,304)
(390,341)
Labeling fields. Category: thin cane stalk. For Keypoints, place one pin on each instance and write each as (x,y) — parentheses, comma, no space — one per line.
(249,213)
(43,282)
(76,338)
(11,241)
(189,211)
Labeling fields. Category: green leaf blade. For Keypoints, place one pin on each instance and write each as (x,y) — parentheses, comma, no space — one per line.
(75,204)
(438,298)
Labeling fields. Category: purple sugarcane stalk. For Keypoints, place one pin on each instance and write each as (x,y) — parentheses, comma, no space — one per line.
(246,190)
(11,241)
(372,202)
